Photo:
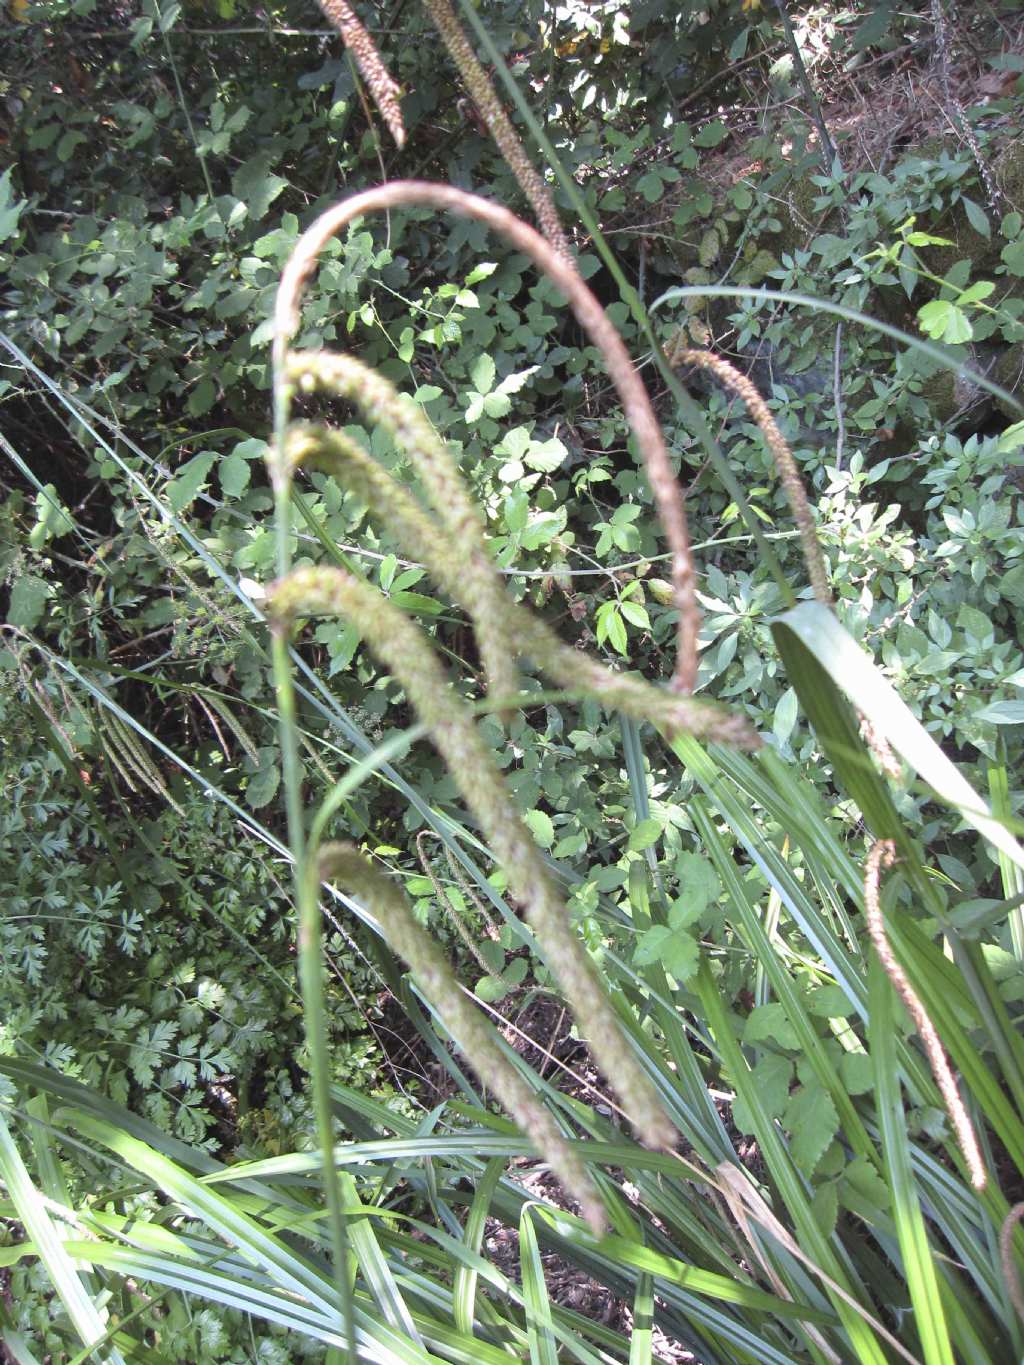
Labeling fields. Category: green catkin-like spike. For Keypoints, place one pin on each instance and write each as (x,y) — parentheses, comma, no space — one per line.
(344,864)
(383,406)
(406,651)
(570,668)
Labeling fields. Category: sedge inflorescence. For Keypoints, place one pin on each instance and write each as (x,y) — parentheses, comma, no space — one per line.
(448,538)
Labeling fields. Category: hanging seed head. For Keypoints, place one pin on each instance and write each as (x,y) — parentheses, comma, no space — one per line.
(785,464)
(345,865)
(492,111)
(383,89)
(882,855)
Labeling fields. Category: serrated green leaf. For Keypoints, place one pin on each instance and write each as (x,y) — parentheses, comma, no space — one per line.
(944,321)
(786,712)
(10,210)
(52,518)
(864,1179)
(857,1072)
(255,186)
(681,955)
(636,614)
(262,786)
(546,456)
(491,989)
(610,627)
(829,1002)
(512,383)
(516,509)
(480,272)
(541,827)
(234,473)
(650,946)
(711,134)
(768,1023)
(494,955)
(1011,585)
(651,186)
(188,481)
(516,971)
(29,596)
(201,399)
(515,443)
(812,1122)
(698,888)
(482,373)
(772,1078)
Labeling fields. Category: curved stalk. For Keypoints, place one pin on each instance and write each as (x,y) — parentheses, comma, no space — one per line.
(636,402)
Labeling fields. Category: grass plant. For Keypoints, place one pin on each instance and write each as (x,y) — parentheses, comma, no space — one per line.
(827,1172)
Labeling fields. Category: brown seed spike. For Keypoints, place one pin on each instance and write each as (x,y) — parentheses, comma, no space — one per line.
(384,89)
(882,855)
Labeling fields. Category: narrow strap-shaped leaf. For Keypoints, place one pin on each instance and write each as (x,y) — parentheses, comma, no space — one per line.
(466,1276)
(643,1321)
(918,1260)
(85,1317)
(543,1350)
(824,639)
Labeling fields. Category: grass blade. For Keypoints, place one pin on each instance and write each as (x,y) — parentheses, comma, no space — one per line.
(535,1295)
(918,1261)
(822,636)
(466,1277)
(86,1319)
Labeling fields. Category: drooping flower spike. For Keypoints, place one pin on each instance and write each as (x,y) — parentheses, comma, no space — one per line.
(449,539)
